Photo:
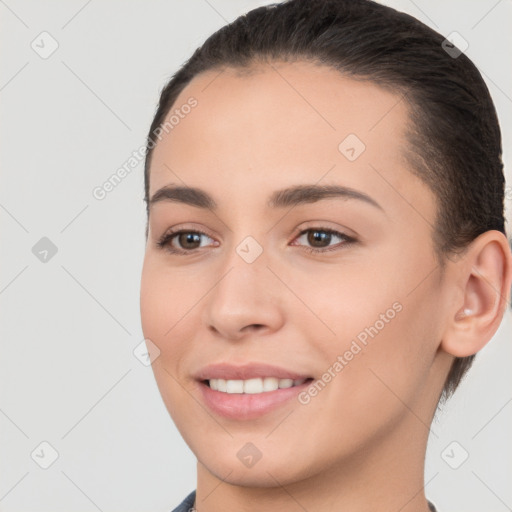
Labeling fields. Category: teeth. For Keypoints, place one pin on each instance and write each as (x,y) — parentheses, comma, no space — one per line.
(253,386)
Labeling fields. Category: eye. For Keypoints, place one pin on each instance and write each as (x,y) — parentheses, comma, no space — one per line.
(321,238)
(188,241)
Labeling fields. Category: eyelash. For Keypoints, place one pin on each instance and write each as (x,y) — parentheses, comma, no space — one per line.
(164,241)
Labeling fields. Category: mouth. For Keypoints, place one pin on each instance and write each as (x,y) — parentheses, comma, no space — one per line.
(251,390)
(253,386)
(249,399)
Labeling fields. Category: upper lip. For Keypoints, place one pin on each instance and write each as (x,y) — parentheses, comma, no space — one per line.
(246,371)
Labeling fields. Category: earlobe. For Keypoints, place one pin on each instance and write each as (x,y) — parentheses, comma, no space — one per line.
(485,277)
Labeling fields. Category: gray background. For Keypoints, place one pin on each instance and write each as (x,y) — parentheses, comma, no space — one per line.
(69,325)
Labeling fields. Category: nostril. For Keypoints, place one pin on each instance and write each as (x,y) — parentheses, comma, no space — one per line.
(255,327)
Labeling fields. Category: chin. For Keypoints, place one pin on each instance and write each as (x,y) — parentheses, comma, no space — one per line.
(254,477)
(281,470)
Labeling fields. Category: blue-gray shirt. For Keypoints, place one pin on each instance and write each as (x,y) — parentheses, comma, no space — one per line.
(188,503)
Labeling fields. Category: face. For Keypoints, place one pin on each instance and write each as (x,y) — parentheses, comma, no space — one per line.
(342,289)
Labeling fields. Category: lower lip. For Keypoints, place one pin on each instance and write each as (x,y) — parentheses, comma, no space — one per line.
(247,406)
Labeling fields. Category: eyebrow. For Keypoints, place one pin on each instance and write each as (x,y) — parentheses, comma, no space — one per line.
(291,196)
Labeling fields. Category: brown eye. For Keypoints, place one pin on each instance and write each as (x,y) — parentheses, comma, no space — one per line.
(320,239)
(182,242)
(188,240)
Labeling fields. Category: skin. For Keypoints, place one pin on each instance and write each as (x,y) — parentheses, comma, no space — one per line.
(360,443)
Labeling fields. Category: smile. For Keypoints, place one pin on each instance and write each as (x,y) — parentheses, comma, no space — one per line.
(253,386)
(243,400)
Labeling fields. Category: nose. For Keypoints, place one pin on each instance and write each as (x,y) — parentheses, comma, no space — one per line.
(246,299)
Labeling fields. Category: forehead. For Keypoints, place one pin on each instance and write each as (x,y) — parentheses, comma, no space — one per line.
(281,123)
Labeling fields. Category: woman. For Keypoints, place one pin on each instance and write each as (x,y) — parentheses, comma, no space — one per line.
(326,253)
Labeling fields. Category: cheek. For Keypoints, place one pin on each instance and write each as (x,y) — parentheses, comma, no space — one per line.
(390,371)
(384,331)
(375,385)
(163,302)
(169,308)
(164,298)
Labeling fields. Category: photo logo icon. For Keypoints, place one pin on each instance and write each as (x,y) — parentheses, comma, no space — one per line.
(454,45)
(44,45)
(44,250)
(454,455)
(351,147)
(44,455)
(146,352)
(249,249)
(249,455)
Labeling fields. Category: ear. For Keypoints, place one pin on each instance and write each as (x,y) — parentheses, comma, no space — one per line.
(484,278)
